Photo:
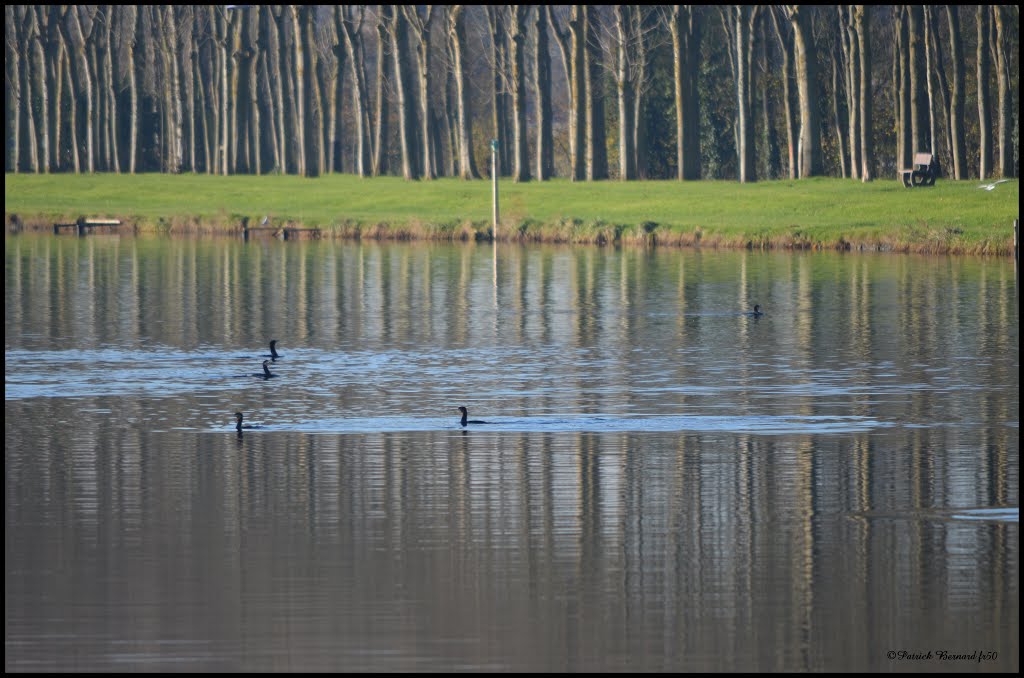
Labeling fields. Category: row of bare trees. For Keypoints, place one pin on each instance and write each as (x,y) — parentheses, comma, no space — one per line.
(584,91)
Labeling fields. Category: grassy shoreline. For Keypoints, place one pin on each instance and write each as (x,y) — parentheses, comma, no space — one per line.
(823,213)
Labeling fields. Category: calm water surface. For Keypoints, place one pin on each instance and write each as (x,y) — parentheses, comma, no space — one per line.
(666,483)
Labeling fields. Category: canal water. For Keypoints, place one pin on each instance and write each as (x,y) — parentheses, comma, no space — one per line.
(666,482)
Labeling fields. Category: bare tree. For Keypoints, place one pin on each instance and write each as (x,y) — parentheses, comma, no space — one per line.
(253,51)
(378,157)
(918,127)
(456,19)
(934,57)
(624,84)
(593,76)
(570,42)
(25,18)
(984,98)
(313,122)
(901,86)
(172,91)
(406,116)
(861,17)
(739,22)
(836,64)
(350,20)
(1002,49)
(12,64)
(517,54)
(36,16)
(807,88)
(542,91)
(956,106)
(684,26)
(76,36)
(497,20)
(420,19)
(785,36)
(851,67)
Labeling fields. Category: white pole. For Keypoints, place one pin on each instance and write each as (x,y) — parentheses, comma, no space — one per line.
(494,215)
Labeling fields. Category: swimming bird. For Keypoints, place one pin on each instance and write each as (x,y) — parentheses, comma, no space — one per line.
(757,312)
(465,418)
(238,423)
(266,371)
(274,355)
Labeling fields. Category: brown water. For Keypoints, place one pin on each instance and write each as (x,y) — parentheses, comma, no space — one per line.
(665,484)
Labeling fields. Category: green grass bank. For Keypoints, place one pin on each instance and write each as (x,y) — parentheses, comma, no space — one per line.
(951,217)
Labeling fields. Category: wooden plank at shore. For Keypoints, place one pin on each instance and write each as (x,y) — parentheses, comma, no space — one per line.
(83,225)
(297,233)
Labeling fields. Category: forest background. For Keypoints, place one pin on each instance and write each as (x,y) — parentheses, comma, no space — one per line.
(586,92)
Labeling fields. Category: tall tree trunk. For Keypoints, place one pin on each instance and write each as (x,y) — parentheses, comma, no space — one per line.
(747,169)
(861,16)
(807,88)
(984,99)
(451,112)
(76,162)
(933,138)
(336,124)
(770,141)
(542,89)
(275,147)
(55,72)
(496,20)
(76,40)
(378,164)
(1005,99)
(350,23)
(313,111)
(640,144)
(579,93)
(108,65)
(517,58)
(956,105)
(624,84)
(934,56)
(918,113)
(203,116)
(420,26)
(12,64)
(234,51)
(569,48)
(38,18)
(901,61)
(596,152)
(406,116)
(223,137)
(837,113)
(848,40)
(685,53)
(173,90)
(457,38)
(27,85)
(97,102)
(186,55)
(274,55)
(300,120)
(253,53)
(786,46)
